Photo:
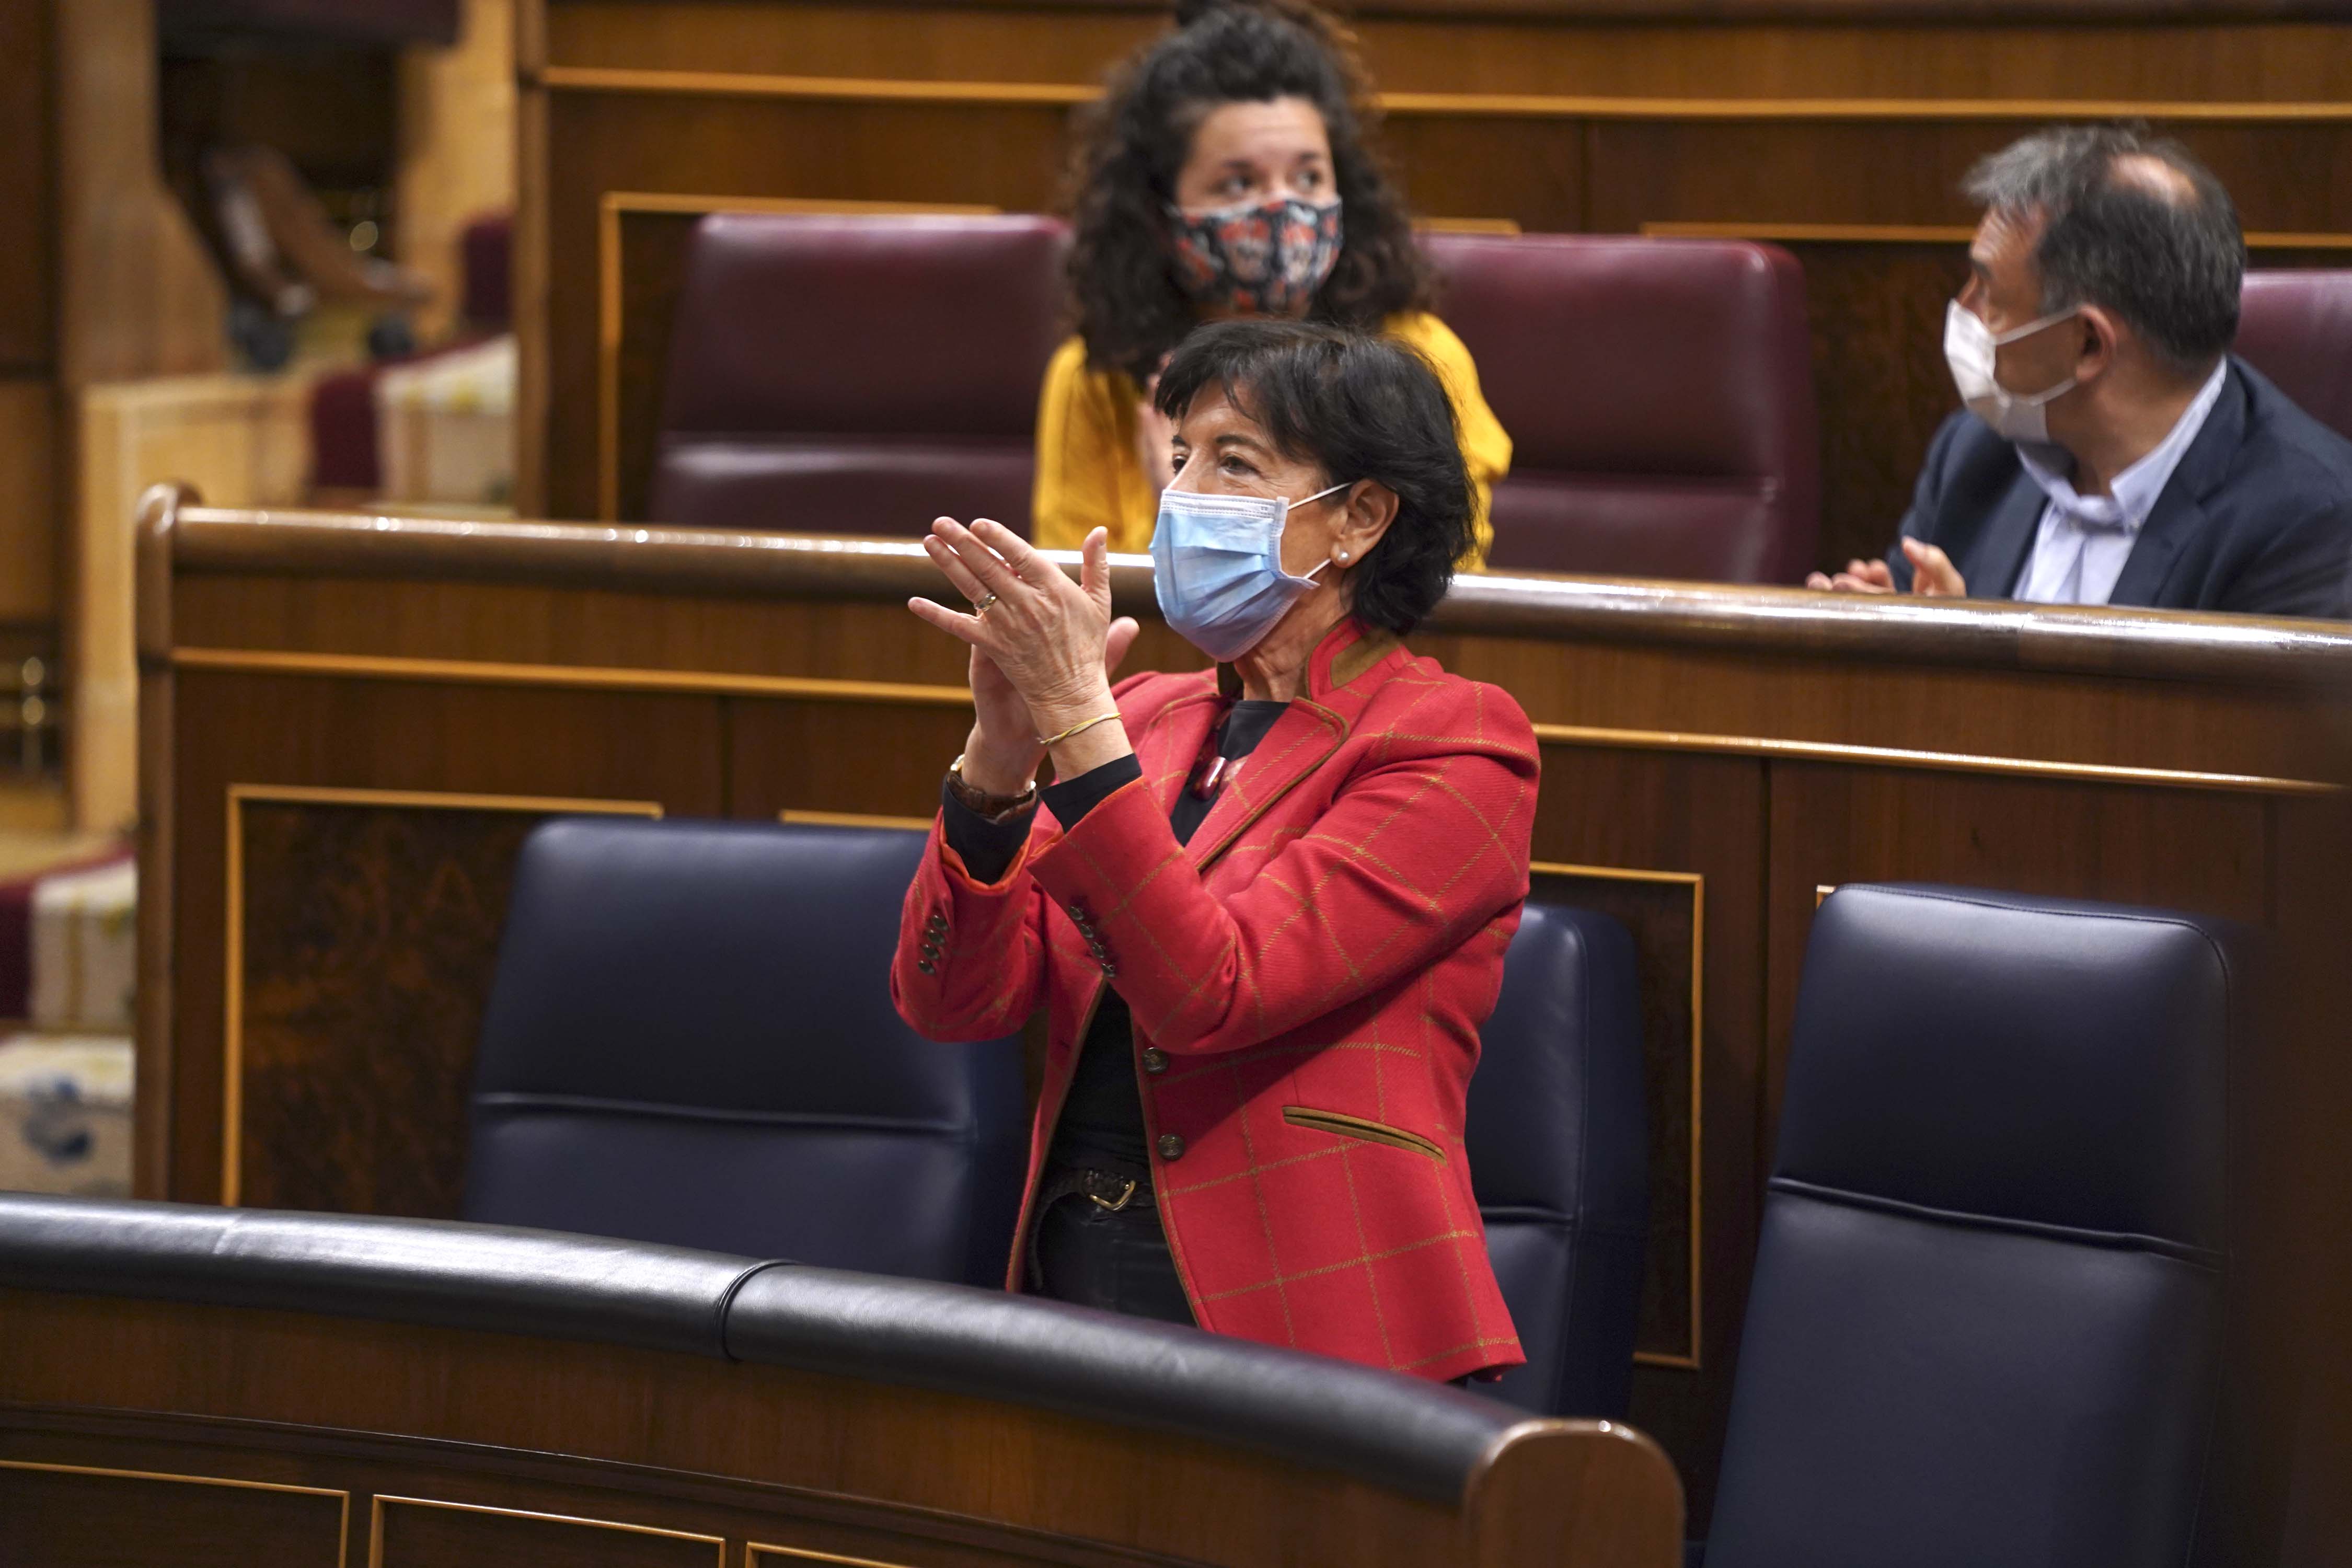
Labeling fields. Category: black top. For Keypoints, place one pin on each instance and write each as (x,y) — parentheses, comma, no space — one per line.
(1101,1125)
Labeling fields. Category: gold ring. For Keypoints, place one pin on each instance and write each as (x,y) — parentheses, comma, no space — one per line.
(979,606)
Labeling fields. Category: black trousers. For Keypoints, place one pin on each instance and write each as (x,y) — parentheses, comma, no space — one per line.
(1117,1261)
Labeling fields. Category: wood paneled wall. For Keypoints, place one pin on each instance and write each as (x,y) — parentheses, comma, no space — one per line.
(100,278)
(349,724)
(29,534)
(1843,138)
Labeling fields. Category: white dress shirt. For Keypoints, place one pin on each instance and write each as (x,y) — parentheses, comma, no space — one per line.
(2083,541)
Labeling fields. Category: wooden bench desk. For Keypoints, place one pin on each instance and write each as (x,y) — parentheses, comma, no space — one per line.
(349,724)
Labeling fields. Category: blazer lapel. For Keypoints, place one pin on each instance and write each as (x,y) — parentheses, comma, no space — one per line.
(1305,735)
(1171,742)
(1301,739)
(2179,512)
(1994,567)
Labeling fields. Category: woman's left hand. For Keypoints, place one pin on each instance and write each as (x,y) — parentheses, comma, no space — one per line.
(1047,634)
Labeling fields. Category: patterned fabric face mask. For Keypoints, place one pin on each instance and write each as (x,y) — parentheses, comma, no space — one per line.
(1264,258)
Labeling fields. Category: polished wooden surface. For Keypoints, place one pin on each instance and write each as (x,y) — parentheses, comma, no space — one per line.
(246,440)
(28,186)
(137,294)
(1711,757)
(1650,115)
(144,1431)
(28,496)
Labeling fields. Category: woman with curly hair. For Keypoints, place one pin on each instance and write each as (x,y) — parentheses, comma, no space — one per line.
(1228,172)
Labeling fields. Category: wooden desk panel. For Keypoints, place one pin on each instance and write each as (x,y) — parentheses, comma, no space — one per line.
(1712,758)
(1837,129)
(170,1433)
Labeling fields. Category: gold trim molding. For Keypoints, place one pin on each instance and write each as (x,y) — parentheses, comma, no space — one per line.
(1508,228)
(233,933)
(611,207)
(1919,233)
(718,1543)
(342,1527)
(1697,882)
(1901,757)
(826,689)
(753,1551)
(584,677)
(1487,105)
(852,819)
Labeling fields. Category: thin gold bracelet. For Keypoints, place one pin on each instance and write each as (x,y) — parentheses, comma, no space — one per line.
(1052,741)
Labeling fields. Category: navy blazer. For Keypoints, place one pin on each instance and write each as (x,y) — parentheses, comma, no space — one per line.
(2257,519)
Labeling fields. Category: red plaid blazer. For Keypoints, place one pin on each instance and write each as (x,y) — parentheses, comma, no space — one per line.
(1308,979)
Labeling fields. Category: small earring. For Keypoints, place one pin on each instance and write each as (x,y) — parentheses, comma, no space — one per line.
(1343,558)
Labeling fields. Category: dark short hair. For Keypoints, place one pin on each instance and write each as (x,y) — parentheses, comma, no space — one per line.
(1359,407)
(2170,266)
(1128,305)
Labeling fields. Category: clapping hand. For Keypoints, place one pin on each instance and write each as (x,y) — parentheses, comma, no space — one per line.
(1933,575)
(1042,646)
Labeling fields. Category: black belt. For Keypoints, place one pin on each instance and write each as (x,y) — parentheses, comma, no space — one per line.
(1108,1189)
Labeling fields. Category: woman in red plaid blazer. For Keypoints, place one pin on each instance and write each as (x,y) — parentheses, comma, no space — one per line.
(1266,906)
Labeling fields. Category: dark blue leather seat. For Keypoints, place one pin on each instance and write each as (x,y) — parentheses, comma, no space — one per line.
(1558,1141)
(1985,1320)
(690,1041)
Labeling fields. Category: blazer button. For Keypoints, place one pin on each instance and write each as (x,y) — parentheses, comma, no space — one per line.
(1170,1146)
(1155,1060)
(927,966)
(938,923)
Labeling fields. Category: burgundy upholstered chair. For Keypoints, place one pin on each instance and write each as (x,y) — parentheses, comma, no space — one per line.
(2296,329)
(1659,397)
(857,375)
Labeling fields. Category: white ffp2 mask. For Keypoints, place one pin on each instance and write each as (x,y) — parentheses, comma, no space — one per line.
(1970,347)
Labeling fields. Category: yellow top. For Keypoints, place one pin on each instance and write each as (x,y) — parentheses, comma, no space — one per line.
(1090,475)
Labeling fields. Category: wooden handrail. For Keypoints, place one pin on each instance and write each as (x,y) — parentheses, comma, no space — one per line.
(1762,621)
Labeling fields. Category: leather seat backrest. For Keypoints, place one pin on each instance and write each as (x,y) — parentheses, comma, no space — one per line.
(1557,1139)
(2295,327)
(690,1040)
(1984,1322)
(1659,397)
(857,375)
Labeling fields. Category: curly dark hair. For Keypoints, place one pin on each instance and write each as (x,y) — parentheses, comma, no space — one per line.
(1128,305)
(1358,407)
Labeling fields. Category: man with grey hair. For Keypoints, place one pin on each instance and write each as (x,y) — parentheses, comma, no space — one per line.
(2112,450)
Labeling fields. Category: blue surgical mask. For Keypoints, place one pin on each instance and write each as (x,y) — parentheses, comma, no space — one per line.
(1217,568)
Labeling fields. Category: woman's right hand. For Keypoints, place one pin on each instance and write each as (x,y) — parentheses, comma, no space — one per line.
(1001,756)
